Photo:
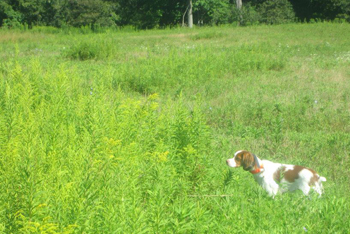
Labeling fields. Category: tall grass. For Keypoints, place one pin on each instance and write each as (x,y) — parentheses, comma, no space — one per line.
(128,132)
(96,48)
(71,151)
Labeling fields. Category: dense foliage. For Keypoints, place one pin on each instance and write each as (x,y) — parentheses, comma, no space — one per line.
(162,13)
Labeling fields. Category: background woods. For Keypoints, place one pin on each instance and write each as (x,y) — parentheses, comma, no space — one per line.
(162,13)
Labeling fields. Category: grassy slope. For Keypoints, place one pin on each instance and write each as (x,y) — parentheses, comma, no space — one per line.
(86,147)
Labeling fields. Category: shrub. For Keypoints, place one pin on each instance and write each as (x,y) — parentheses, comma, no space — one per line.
(91,49)
(276,12)
(248,15)
(83,51)
(208,35)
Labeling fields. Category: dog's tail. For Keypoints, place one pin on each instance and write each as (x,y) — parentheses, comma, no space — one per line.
(318,185)
(322,179)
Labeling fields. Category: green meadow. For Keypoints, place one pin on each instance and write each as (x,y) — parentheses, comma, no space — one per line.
(127,131)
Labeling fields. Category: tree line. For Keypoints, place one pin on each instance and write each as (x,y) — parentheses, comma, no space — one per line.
(164,13)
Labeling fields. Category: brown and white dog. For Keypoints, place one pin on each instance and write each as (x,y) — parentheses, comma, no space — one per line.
(277,177)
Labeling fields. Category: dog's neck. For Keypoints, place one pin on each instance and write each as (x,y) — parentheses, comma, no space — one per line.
(259,166)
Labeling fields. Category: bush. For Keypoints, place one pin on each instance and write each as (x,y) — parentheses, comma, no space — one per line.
(249,14)
(93,49)
(276,12)
(83,51)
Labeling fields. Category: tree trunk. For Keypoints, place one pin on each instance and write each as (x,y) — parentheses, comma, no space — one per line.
(239,8)
(239,4)
(183,17)
(190,15)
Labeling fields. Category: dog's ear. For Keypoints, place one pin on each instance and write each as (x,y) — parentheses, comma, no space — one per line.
(248,162)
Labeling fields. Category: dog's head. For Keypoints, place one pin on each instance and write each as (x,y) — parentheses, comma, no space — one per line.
(243,159)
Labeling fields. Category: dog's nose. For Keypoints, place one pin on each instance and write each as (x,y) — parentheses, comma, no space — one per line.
(227,161)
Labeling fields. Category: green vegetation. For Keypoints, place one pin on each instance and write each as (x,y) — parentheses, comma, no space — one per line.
(147,14)
(128,132)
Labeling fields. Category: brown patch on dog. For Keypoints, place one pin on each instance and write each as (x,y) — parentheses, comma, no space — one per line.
(292,175)
(277,175)
(246,160)
(238,159)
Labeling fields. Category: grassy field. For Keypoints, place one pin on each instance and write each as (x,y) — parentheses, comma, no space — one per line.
(128,132)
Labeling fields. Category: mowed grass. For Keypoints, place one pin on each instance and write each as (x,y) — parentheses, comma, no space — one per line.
(128,132)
